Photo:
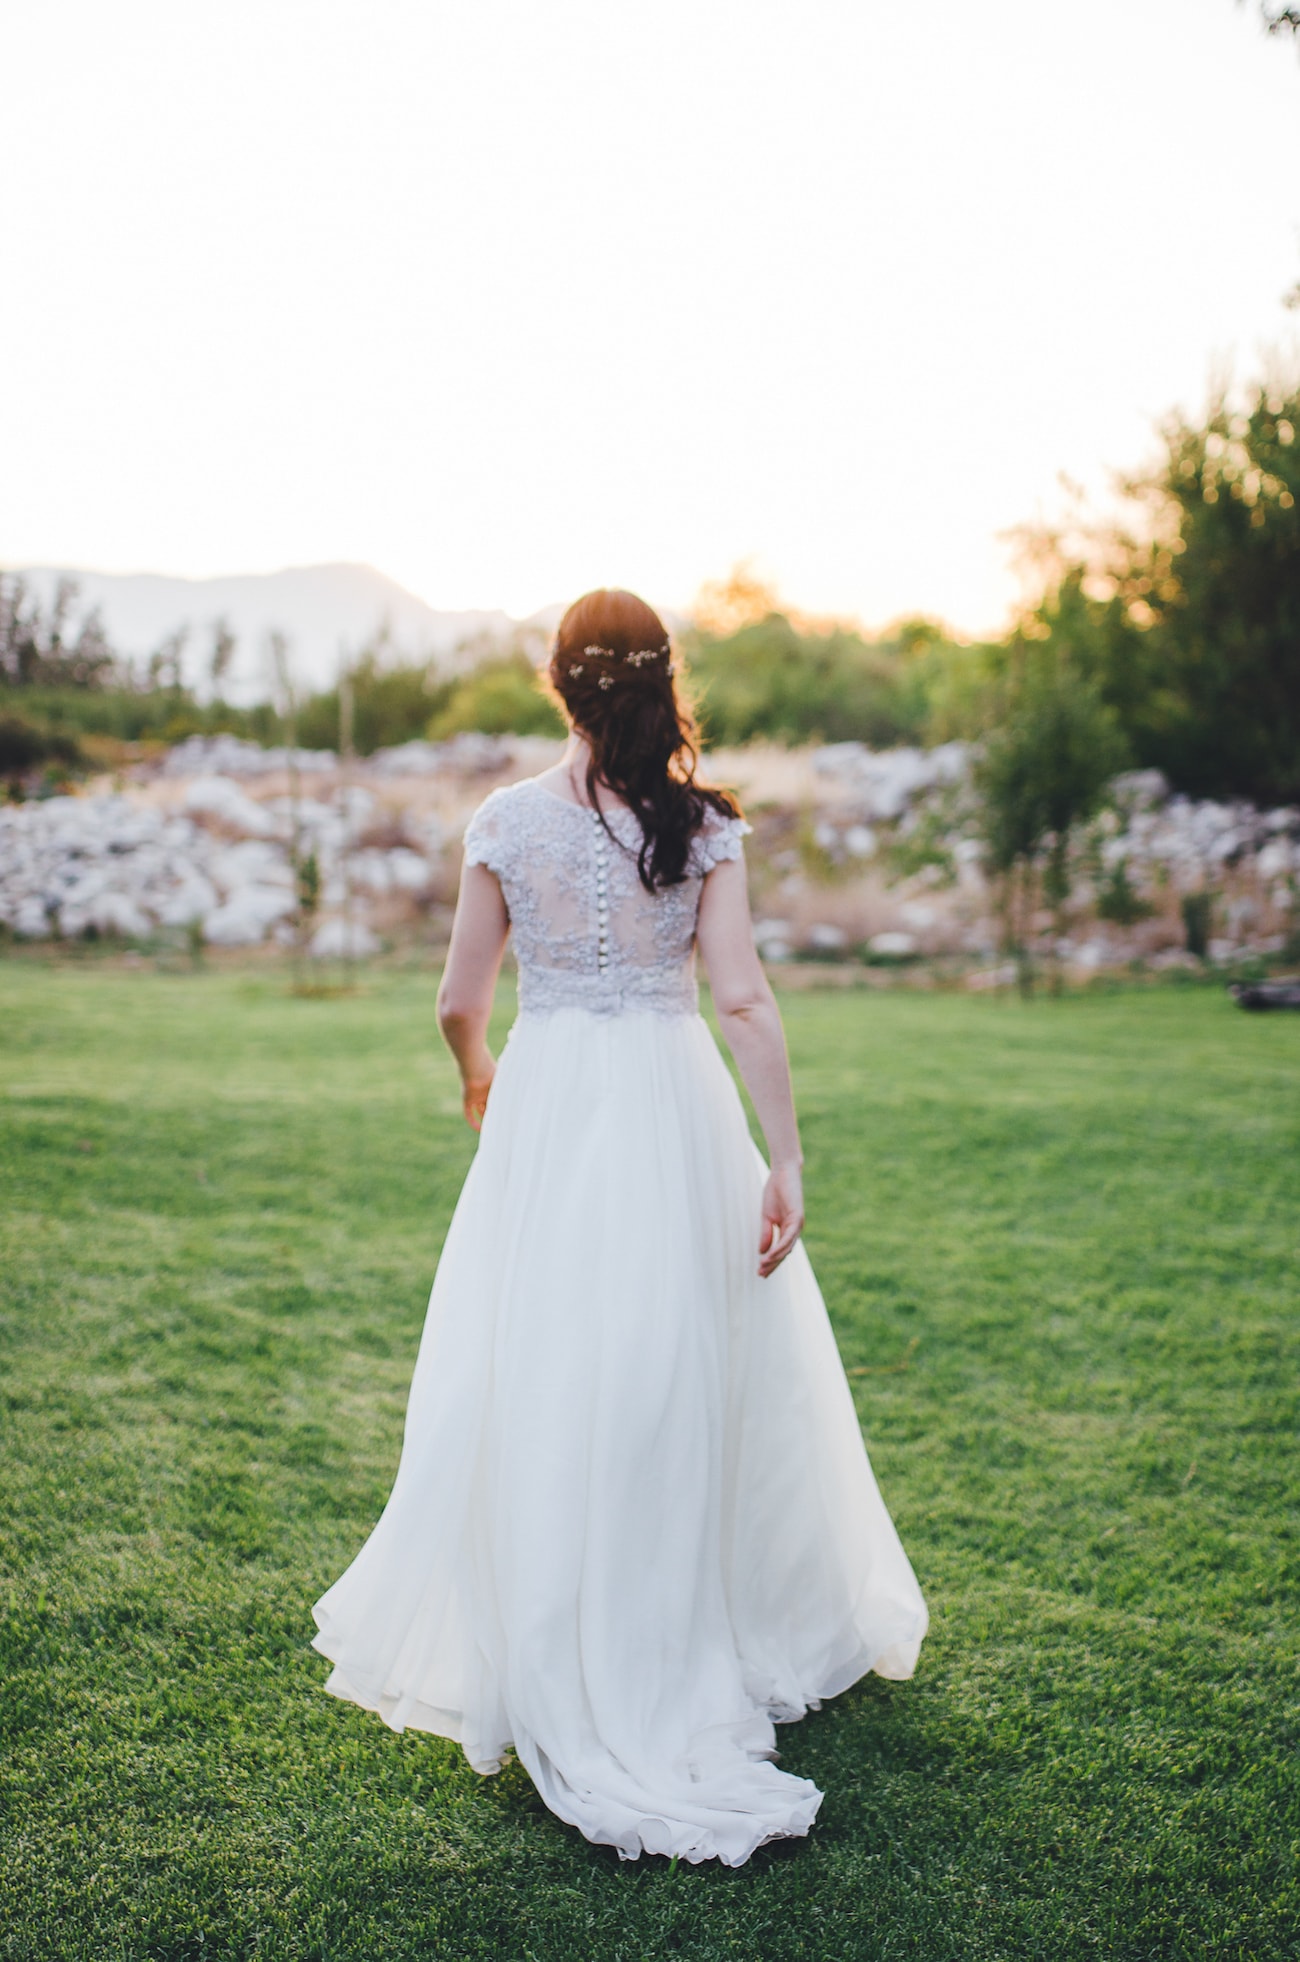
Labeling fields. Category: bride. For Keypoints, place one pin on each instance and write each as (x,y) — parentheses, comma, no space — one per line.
(634,1524)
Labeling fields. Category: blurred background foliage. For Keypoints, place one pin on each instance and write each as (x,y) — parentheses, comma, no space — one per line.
(1189,620)
(1175,630)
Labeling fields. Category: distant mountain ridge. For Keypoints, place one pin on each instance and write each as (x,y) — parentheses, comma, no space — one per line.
(326,612)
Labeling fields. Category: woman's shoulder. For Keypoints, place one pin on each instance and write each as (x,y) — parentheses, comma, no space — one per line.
(489,830)
(720,836)
(510,814)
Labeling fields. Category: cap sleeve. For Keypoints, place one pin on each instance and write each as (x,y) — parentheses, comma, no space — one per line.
(486,835)
(719,838)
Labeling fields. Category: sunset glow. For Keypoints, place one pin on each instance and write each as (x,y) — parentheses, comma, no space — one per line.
(511,300)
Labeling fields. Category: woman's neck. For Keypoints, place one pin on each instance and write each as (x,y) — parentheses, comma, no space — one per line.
(577,756)
(573,767)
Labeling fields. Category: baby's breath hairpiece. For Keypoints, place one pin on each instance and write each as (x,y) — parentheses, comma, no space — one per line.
(637,658)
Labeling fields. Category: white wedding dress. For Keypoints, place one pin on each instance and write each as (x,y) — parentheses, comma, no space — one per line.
(633,1524)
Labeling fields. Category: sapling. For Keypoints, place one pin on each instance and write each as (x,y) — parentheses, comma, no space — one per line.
(1043,770)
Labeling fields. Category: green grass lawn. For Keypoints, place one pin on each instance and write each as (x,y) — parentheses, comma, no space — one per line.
(1059,1245)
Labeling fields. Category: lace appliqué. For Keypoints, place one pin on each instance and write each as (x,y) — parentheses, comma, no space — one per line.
(586,932)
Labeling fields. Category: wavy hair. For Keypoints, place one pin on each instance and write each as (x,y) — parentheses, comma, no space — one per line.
(613,670)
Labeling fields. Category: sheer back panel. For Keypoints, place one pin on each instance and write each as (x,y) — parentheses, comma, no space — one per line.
(586,932)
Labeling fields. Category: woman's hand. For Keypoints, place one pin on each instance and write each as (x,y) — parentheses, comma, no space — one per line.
(782,1217)
(474,1093)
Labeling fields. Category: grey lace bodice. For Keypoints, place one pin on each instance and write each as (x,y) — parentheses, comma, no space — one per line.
(586,932)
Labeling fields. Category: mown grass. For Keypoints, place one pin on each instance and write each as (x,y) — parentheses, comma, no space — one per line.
(1077,1227)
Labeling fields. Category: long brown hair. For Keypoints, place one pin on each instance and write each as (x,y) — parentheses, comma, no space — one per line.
(612,668)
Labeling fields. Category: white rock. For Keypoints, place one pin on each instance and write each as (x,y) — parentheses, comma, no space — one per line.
(251,862)
(1228,844)
(118,913)
(1276,859)
(193,899)
(888,779)
(218,797)
(355,802)
(860,841)
(31,922)
(84,886)
(230,756)
(774,939)
(470,751)
(1141,789)
(370,871)
(828,939)
(893,945)
(339,940)
(244,919)
(408,870)
(415,759)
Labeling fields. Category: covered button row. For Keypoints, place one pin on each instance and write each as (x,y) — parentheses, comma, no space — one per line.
(602,893)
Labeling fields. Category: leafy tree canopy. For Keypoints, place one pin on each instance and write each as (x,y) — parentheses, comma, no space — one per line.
(37,649)
(1189,621)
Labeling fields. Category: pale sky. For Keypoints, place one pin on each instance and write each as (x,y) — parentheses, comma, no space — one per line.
(510,298)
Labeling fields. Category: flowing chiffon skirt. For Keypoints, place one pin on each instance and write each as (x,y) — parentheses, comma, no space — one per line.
(633,1524)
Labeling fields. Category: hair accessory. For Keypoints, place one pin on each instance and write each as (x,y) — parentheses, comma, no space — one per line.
(636,659)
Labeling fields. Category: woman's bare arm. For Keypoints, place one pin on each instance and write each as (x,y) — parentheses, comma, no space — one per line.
(478,940)
(751,1024)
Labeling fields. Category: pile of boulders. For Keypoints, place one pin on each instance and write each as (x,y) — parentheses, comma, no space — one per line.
(855,854)
(883,784)
(219,865)
(1147,827)
(233,845)
(231,756)
(898,833)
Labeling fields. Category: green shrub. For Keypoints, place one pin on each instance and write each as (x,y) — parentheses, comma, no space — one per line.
(143,715)
(24,744)
(767,680)
(501,697)
(1198,918)
(1119,901)
(390,705)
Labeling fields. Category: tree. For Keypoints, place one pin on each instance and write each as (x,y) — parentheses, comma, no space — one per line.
(500,697)
(1042,771)
(35,648)
(1188,620)
(164,669)
(1278,19)
(223,652)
